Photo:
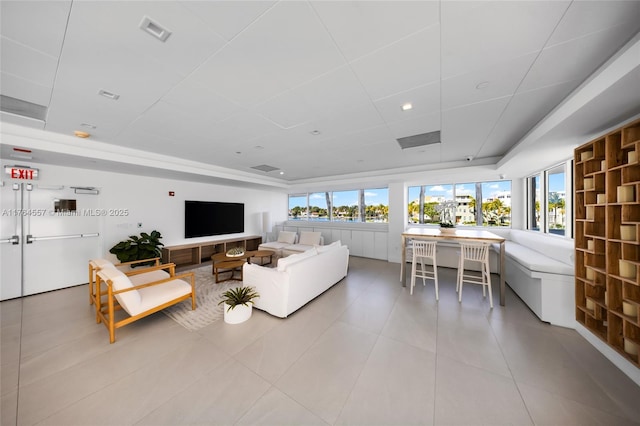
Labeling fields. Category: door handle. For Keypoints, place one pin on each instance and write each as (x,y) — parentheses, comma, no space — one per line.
(30,239)
(14,239)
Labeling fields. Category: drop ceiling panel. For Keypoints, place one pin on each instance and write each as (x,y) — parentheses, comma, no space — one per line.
(27,63)
(115,25)
(228,18)
(525,110)
(253,125)
(20,88)
(409,63)
(424,100)
(415,125)
(274,54)
(579,58)
(329,94)
(465,129)
(361,27)
(206,104)
(39,25)
(584,17)
(502,79)
(478,34)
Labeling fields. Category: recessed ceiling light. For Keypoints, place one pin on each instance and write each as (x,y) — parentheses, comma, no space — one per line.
(81,134)
(281,173)
(315,132)
(88,126)
(482,85)
(238,152)
(107,94)
(155,29)
(407,106)
(258,147)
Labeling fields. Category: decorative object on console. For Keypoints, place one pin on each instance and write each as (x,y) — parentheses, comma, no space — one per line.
(238,304)
(235,252)
(146,246)
(447,212)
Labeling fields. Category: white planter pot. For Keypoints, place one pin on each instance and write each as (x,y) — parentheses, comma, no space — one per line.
(237,315)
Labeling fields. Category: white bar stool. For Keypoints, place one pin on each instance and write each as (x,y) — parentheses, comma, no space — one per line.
(423,250)
(479,253)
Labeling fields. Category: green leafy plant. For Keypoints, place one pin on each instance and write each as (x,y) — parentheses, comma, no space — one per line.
(146,246)
(238,296)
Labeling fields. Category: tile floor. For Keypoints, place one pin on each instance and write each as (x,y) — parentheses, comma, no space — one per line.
(365,352)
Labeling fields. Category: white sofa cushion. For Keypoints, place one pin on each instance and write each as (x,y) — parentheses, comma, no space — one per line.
(285,262)
(551,246)
(536,261)
(332,246)
(156,295)
(310,238)
(100,263)
(130,300)
(287,237)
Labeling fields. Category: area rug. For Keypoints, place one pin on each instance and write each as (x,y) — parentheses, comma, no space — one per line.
(208,295)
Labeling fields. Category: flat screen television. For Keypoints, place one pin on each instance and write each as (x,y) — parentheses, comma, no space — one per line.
(204,218)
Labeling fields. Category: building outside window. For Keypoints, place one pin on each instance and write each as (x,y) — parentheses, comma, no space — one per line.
(477,203)
(547,201)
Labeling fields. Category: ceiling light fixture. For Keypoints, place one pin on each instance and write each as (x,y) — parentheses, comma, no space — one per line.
(109,95)
(482,85)
(87,125)
(155,29)
(81,134)
(315,132)
(281,173)
(407,106)
(258,147)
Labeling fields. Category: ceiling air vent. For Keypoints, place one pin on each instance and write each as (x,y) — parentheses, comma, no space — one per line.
(155,29)
(22,108)
(265,168)
(419,140)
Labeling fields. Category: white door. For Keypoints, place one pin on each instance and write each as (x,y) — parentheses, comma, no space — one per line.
(11,240)
(55,240)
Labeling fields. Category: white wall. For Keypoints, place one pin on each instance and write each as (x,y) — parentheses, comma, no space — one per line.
(148,202)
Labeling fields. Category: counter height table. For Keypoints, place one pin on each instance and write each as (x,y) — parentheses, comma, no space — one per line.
(465,235)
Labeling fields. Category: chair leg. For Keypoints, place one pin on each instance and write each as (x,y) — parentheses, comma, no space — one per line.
(413,275)
(423,271)
(435,278)
(489,287)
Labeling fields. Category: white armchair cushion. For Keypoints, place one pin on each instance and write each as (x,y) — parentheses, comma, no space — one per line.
(287,237)
(100,263)
(310,238)
(130,300)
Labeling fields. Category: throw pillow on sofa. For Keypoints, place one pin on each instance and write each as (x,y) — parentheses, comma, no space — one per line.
(287,237)
(310,238)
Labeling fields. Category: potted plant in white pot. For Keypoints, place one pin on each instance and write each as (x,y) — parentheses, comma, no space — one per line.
(238,304)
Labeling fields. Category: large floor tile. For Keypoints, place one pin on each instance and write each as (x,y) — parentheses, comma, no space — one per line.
(413,321)
(272,354)
(324,376)
(220,397)
(276,408)
(144,390)
(397,386)
(467,395)
(550,409)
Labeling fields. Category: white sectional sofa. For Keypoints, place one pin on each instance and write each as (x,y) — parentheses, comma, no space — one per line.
(540,269)
(297,279)
(288,243)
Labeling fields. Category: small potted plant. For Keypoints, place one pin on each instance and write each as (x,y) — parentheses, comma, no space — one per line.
(238,304)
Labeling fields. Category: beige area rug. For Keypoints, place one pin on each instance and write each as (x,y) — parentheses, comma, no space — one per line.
(208,294)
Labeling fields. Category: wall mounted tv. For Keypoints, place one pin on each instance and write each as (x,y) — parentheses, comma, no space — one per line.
(204,218)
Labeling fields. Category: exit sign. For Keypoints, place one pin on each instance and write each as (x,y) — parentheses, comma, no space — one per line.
(24,173)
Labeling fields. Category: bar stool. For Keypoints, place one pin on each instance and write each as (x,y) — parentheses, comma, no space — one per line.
(423,250)
(477,253)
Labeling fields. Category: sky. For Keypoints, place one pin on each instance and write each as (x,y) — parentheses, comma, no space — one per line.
(489,189)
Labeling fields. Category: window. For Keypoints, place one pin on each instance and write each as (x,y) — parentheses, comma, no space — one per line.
(476,204)
(319,206)
(547,201)
(556,201)
(358,205)
(298,207)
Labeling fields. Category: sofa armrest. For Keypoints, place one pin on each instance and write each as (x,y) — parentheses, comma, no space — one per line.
(272,286)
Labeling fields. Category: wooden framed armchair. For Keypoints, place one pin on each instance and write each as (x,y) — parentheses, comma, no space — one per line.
(96,264)
(115,291)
